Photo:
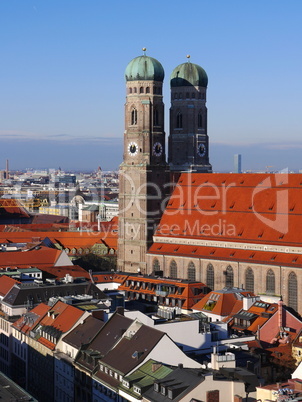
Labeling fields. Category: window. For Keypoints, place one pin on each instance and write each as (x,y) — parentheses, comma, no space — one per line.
(173,269)
(156,265)
(179,120)
(141,90)
(135,90)
(155,117)
(130,90)
(191,272)
(292,288)
(199,122)
(270,282)
(147,90)
(229,277)
(249,280)
(133,117)
(210,276)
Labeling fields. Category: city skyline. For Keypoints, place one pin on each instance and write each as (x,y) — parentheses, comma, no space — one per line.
(63,87)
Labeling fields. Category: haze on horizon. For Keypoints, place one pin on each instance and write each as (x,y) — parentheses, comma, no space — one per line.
(63,89)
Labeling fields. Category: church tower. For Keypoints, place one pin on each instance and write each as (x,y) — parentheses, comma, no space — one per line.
(188,140)
(143,173)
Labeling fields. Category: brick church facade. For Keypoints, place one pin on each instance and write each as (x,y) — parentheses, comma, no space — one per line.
(181,220)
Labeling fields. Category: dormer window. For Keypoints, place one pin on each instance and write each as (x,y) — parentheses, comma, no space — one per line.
(156,387)
(137,390)
(163,390)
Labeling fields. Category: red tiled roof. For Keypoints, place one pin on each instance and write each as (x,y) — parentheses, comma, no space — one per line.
(12,207)
(60,272)
(227,254)
(224,303)
(6,283)
(65,316)
(37,312)
(75,239)
(240,203)
(46,343)
(44,256)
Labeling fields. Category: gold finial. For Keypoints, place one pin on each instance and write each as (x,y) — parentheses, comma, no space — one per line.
(188,57)
(144,50)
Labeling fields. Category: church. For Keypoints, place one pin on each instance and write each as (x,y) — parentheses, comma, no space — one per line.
(180,220)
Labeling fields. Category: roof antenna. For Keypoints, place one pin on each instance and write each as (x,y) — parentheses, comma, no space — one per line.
(144,50)
(188,57)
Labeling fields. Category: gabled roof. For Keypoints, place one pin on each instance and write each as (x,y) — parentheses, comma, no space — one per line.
(223,302)
(31,319)
(6,283)
(60,272)
(83,333)
(43,256)
(244,202)
(62,316)
(68,239)
(134,349)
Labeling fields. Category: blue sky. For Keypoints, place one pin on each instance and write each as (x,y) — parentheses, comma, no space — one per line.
(63,89)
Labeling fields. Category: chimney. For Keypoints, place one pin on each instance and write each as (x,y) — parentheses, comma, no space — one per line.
(280,314)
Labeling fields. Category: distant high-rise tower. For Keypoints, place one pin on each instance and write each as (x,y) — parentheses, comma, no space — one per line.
(188,140)
(237,163)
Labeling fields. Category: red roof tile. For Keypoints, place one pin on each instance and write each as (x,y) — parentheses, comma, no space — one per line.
(235,207)
(6,283)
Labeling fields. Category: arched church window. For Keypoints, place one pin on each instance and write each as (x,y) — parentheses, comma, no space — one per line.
(191,271)
(141,90)
(159,91)
(187,95)
(135,90)
(199,122)
(292,289)
(173,269)
(130,90)
(210,276)
(133,117)
(193,95)
(180,95)
(270,282)
(155,117)
(156,265)
(176,96)
(147,90)
(179,120)
(229,277)
(249,280)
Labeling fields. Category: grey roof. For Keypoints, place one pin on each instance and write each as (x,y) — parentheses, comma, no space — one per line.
(22,294)
(84,333)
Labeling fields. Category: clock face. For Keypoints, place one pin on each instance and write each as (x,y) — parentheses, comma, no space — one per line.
(157,149)
(132,148)
(201,150)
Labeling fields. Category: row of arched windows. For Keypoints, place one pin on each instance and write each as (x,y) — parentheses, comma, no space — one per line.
(147,90)
(179,120)
(134,117)
(292,284)
(189,95)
